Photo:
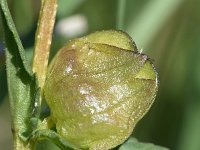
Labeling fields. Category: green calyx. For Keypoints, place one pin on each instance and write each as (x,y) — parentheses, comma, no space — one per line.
(98,87)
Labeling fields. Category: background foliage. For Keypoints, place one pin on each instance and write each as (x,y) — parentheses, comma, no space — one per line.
(168,31)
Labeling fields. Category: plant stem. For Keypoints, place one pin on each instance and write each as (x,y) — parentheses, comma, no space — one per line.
(19,144)
(121,7)
(43,39)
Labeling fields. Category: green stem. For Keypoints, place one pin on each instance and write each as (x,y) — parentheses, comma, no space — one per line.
(121,7)
(19,144)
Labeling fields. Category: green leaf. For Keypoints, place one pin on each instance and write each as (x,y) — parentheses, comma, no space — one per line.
(134,144)
(21,81)
(24,7)
(121,10)
(2,84)
(46,144)
(46,134)
(68,6)
(146,25)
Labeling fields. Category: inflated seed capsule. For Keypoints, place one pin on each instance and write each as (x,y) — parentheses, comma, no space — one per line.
(98,87)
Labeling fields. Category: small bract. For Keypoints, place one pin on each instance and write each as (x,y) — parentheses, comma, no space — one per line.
(98,87)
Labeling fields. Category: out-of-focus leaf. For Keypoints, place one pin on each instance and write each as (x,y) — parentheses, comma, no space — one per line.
(68,6)
(190,133)
(0,32)
(3,84)
(23,14)
(121,7)
(29,55)
(150,19)
(21,81)
(134,144)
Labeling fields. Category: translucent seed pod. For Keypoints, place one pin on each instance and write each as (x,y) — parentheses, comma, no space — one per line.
(98,87)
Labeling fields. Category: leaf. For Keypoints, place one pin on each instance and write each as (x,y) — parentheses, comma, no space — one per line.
(21,81)
(3,84)
(67,7)
(134,144)
(146,25)
(121,10)
(26,8)
(46,134)
(46,144)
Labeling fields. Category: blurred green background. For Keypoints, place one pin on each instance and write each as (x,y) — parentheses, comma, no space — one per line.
(167,30)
